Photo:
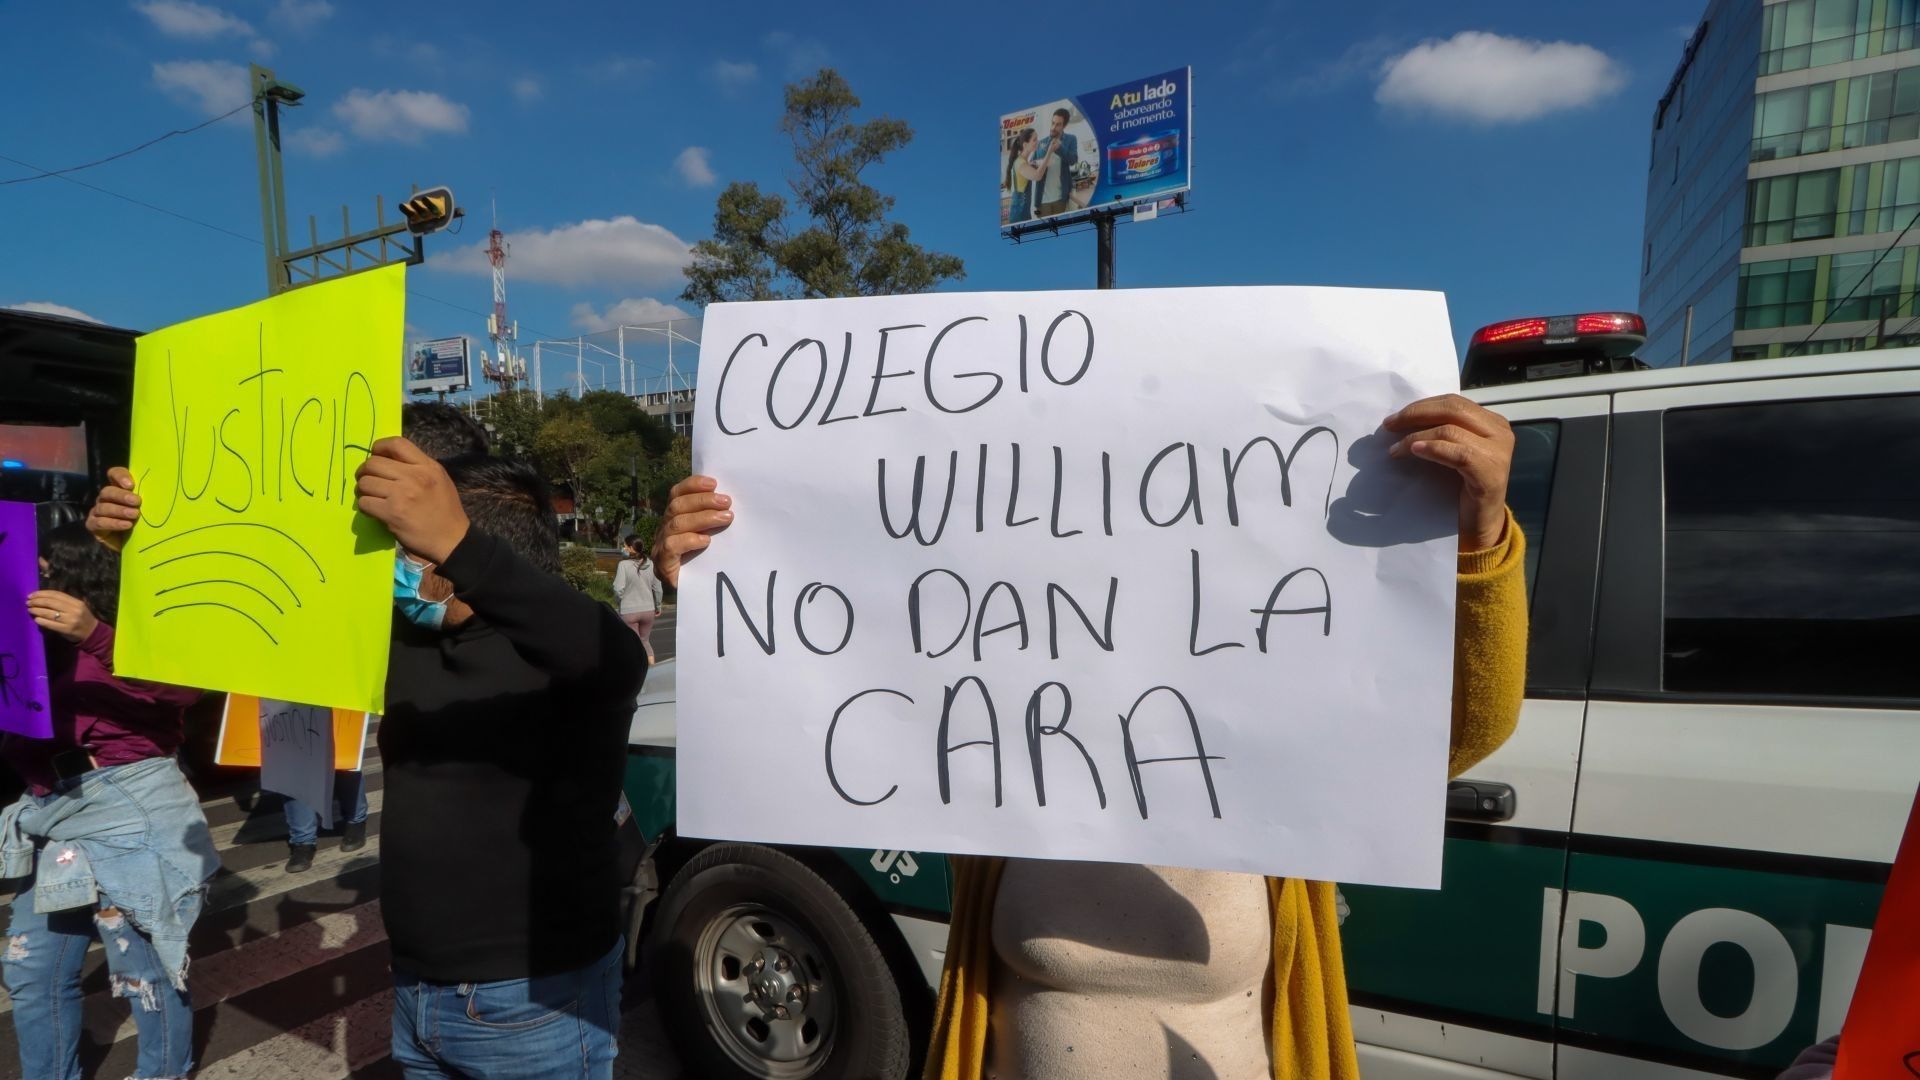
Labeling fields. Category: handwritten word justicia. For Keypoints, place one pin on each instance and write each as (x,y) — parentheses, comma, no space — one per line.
(261,442)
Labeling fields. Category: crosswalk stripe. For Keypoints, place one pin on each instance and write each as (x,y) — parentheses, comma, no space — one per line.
(264,883)
(329,1048)
(228,974)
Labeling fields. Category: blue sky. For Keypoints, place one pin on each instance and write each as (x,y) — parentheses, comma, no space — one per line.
(1492,149)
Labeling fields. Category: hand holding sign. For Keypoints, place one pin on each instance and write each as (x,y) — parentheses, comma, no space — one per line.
(1473,441)
(68,616)
(115,510)
(695,512)
(411,494)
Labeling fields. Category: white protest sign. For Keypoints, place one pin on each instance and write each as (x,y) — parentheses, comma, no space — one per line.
(1122,576)
(296,754)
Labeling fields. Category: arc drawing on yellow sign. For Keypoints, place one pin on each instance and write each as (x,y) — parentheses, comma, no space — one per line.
(250,569)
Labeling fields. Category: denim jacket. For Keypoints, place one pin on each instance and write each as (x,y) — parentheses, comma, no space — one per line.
(131,834)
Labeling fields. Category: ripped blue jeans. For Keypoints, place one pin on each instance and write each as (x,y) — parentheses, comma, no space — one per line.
(42,963)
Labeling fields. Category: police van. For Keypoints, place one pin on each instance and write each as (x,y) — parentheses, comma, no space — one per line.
(1672,868)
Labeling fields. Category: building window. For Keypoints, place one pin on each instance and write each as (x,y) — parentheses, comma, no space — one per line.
(1791,122)
(1864,285)
(1647,266)
(1811,33)
(1879,108)
(1776,293)
(1790,568)
(1802,206)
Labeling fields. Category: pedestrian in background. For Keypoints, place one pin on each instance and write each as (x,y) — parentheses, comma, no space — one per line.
(109,836)
(639,591)
(303,821)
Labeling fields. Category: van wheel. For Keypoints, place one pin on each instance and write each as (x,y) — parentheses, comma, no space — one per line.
(763,971)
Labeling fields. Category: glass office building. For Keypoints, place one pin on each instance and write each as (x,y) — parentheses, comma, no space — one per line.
(1784,184)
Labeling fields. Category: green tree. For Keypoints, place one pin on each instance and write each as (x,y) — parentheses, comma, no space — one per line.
(514,418)
(846,246)
(564,447)
(610,485)
(615,413)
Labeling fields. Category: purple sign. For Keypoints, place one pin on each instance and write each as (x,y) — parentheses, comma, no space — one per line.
(24,708)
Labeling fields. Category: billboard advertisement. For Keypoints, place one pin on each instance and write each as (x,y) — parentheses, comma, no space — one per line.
(437,366)
(1107,149)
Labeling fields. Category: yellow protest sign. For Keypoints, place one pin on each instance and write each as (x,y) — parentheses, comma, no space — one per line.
(250,570)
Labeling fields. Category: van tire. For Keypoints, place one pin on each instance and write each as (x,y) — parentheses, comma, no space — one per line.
(733,901)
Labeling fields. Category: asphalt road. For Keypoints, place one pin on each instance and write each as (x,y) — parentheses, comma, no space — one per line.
(663,634)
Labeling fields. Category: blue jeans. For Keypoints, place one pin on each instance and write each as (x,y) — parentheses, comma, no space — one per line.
(42,963)
(554,1027)
(349,796)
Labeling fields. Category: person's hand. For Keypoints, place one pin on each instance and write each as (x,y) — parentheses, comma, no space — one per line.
(1474,442)
(403,488)
(68,616)
(115,510)
(695,511)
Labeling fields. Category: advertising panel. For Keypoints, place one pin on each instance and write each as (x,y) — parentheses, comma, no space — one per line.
(1110,148)
(437,366)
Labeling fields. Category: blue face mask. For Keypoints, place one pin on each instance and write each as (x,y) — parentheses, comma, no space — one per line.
(415,608)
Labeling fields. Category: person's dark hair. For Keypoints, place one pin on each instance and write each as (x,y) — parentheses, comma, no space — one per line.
(442,430)
(634,542)
(1020,142)
(1064,115)
(507,498)
(83,568)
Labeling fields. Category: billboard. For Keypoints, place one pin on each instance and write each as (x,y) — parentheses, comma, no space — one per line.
(1107,149)
(437,366)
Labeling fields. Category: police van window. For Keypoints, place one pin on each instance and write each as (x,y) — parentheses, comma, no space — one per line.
(1793,548)
(1535,445)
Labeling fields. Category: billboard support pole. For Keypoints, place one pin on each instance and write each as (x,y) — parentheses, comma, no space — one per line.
(1103,229)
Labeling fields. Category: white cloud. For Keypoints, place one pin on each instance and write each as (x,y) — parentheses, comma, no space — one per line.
(302,15)
(317,142)
(638,311)
(695,166)
(212,86)
(198,22)
(528,89)
(1490,79)
(803,56)
(621,250)
(48,307)
(399,115)
(733,75)
(201,22)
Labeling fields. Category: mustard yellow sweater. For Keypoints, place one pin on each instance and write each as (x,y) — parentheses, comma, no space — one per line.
(1311,1037)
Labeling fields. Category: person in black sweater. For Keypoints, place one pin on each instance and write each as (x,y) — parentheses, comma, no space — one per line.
(509,696)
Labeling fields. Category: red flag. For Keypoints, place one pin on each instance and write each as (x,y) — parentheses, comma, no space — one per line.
(1881,1039)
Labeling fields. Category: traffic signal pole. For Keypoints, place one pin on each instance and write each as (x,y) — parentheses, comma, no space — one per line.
(268,95)
(424,211)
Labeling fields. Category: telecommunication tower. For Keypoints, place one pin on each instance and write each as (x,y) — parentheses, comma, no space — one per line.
(505,370)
